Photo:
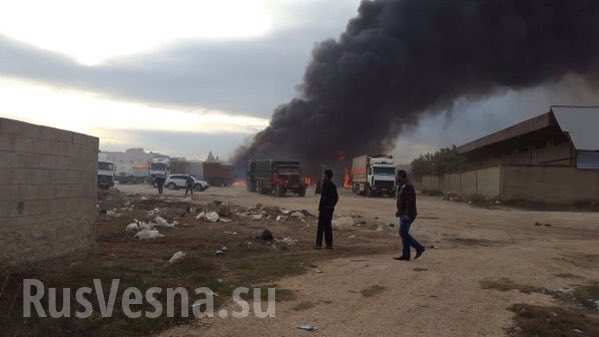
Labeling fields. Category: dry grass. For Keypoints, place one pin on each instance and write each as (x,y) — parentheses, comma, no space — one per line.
(143,264)
(539,321)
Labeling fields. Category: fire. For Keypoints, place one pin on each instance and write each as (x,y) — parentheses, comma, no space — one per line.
(239,183)
(347,183)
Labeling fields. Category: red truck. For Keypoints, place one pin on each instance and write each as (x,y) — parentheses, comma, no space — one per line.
(275,176)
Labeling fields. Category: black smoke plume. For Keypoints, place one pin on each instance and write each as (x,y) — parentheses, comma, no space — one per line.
(399,59)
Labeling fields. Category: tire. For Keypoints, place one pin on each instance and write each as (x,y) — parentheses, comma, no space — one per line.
(171,186)
(279,192)
(302,192)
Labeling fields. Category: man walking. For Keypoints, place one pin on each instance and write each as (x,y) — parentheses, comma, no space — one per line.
(406,212)
(326,207)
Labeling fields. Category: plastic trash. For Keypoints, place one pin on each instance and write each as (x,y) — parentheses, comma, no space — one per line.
(148,234)
(161,222)
(132,227)
(178,256)
(212,217)
(307,327)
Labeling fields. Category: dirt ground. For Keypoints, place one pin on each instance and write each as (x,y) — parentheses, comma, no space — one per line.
(439,295)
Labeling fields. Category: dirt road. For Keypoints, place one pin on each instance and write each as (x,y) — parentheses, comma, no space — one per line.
(439,295)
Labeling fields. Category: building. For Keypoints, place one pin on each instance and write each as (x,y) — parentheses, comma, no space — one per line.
(551,158)
(131,163)
(564,136)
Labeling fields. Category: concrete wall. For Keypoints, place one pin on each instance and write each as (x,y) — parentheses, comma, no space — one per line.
(549,184)
(559,185)
(48,184)
(484,181)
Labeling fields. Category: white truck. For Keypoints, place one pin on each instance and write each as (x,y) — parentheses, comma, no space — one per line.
(159,167)
(374,175)
(105,174)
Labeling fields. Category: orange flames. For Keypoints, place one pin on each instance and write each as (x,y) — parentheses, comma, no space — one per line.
(239,183)
(347,179)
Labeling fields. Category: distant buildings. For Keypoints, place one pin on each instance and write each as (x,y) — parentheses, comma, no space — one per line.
(132,162)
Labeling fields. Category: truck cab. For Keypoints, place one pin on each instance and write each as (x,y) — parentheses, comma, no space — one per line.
(381,176)
(105,174)
(373,175)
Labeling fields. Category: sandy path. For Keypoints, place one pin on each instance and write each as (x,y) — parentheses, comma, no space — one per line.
(439,295)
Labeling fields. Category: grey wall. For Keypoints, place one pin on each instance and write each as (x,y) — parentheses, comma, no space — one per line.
(48,191)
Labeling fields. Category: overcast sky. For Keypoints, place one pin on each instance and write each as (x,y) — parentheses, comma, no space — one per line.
(185,77)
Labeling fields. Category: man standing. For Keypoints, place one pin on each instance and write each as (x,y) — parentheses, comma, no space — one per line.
(406,212)
(160,182)
(326,207)
(189,182)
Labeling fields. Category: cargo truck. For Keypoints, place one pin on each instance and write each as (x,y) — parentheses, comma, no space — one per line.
(275,176)
(105,174)
(373,175)
(158,167)
(217,173)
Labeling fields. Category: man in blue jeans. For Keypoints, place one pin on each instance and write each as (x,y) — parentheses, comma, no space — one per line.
(406,212)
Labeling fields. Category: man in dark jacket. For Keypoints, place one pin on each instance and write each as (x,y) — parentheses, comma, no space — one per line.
(189,185)
(406,212)
(160,179)
(328,200)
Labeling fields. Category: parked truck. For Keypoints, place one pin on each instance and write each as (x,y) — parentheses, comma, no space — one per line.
(159,166)
(373,175)
(105,174)
(217,173)
(275,176)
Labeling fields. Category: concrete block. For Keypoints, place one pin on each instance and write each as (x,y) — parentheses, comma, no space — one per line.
(7,142)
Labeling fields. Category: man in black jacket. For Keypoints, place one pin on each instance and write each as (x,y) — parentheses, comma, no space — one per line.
(328,200)
(406,212)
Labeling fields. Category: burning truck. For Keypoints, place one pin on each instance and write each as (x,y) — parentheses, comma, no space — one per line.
(275,176)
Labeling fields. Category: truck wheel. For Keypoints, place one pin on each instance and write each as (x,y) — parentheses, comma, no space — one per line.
(302,192)
(279,192)
(369,192)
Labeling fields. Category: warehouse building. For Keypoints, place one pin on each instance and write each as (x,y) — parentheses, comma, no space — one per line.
(551,158)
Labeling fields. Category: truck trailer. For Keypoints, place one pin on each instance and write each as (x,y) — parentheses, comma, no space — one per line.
(275,176)
(373,175)
(217,173)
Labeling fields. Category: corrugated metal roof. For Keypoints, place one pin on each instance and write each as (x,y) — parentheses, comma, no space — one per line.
(581,123)
(530,125)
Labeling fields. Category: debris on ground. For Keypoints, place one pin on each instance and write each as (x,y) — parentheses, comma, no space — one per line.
(178,256)
(212,217)
(298,215)
(287,241)
(148,234)
(161,222)
(132,227)
(345,221)
(220,252)
(265,235)
(307,327)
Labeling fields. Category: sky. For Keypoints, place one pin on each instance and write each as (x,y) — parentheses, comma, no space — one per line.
(185,77)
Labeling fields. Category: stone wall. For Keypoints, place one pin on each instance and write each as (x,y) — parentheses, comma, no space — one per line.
(48,184)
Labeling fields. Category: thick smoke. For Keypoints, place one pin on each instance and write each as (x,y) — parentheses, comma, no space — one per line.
(399,59)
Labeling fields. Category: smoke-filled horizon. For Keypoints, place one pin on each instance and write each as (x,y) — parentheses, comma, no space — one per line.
(400,59)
